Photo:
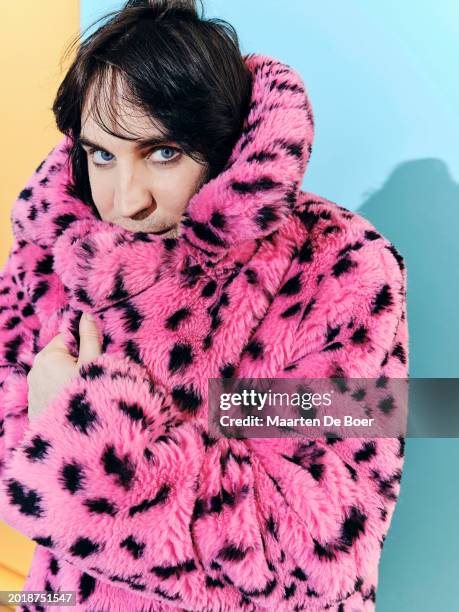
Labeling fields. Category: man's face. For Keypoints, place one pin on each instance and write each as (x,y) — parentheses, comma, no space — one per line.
(141,189)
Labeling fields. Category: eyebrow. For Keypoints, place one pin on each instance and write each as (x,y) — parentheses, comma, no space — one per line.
(140,143)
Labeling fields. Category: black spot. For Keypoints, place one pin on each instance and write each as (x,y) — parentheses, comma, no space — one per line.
(367,451)
(352,528)
(28,500)
(325,551)
(316,470)
(46,541)
(306,252)
(232,553)
(383,299)
(80,414)
(147,454)
(214,582)
(401,451)
(332,332)
(170,243)
(294,148)
(227,371)
(180,357)
(45,265)
(360,335)
(289,591)
(166,571)
(265,216)
(101,505)
(272,527)
(135,548)
(39,291)
(261,156)
(28,310)
(141,237)
(218,220)
(252,276)
(398,257)
(254,348)
(123,468)
(381,381)
(86,586)
(134,412)
(173,321)
(119,290)
(292,285)
(399,352)
(355,247)
(83,547)
(359,394)
(132,317)
(63,221)
(160,498)
(12,323)
(91,371)
(186,398)
(25,194)
(351,471)
(38,449)
(264,183)
(54,566)
(343,265)
(72,477)
(289,312)
(330,229)
(209,289)
(132,350)
(198,509)
(206,234)
(333,347)
(371,235)
(82,295)
(387,404)
(308,218)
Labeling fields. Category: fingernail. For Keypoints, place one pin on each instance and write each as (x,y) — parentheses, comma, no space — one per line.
(89,316)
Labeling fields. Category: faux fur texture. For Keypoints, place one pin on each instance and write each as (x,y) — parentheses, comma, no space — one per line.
(131,501)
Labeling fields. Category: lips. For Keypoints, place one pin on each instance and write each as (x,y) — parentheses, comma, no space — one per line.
(162,231)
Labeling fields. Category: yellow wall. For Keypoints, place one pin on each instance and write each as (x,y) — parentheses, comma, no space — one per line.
(33,36)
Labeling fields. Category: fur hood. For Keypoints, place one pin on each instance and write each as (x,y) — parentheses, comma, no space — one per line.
(133,504)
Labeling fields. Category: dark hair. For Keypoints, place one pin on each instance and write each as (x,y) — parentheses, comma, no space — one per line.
(182,70)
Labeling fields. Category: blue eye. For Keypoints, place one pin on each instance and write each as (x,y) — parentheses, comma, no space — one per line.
(173,151)
(172,154)
(105,161)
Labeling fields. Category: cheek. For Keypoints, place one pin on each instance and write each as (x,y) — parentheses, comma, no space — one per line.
(173,190)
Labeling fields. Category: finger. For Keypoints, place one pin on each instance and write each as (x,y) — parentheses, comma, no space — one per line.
(90,345)
(56,344)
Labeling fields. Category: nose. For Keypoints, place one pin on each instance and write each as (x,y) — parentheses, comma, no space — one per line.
(132,198)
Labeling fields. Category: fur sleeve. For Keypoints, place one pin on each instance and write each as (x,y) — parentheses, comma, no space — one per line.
(19,328)
(111,480)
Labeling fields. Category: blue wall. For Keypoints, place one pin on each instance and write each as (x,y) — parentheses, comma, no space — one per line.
(381,78)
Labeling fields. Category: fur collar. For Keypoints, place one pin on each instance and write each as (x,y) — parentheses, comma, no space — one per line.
(254,196)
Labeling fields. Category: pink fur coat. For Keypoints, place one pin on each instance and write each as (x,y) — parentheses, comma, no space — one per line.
(133,504)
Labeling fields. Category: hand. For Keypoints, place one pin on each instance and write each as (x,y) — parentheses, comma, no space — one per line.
(53,367)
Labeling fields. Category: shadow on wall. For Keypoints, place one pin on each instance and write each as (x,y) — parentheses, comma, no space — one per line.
(417,209)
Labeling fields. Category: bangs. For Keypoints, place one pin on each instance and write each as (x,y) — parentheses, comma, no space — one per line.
(107,92)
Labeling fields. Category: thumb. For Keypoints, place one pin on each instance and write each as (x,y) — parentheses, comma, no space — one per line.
(90,346)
